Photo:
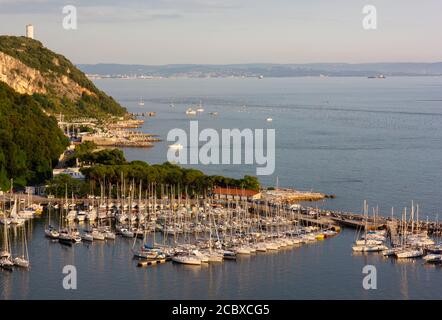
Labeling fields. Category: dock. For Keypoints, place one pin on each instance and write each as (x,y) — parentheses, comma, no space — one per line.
(153,262)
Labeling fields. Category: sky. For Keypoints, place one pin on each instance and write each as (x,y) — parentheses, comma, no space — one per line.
(156,32)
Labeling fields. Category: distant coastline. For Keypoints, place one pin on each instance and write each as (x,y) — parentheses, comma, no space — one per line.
(129,71)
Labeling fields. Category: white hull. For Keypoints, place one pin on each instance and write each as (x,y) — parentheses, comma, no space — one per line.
(21,262)
(406,254)
(187,260)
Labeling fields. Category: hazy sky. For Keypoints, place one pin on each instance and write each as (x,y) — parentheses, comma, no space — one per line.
(232,31)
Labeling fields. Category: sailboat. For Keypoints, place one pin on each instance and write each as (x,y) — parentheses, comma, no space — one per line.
(407,251)
(50,231)
(365,245)
(23,260)
(5,255)
(141,102)
(14,217)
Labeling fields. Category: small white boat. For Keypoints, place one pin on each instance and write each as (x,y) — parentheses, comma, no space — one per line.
(187,259)
(190,112)
(369,248)
(6,263)
(368,242)
(433,258)
(109,235)
(127,233)
(269,119)
(409,253)
(21,262)
(176,146)
(87,236)
(97,235)
(213,257)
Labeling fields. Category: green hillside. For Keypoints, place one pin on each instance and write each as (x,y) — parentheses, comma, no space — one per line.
(30,141)
(54,67)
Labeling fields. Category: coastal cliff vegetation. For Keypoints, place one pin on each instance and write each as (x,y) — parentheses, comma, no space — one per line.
(30,141)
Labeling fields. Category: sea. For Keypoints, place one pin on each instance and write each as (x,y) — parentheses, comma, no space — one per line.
(356,138)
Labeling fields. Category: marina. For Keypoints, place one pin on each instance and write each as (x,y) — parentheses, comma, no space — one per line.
(159,247)
(198,230)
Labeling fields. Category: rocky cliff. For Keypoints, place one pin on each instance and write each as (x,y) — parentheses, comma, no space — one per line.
(29,68)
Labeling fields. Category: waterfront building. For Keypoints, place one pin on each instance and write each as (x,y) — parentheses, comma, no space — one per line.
(235,194)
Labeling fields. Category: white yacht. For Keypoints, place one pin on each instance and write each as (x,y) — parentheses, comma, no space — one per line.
(190,112)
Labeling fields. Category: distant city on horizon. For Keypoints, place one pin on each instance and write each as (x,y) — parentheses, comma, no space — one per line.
(261,70)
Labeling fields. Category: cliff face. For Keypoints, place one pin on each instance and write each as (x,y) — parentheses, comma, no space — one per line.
(26,80)
(29,68)
(20,77)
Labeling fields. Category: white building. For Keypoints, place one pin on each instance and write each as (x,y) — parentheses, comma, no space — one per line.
(73,172)
(30,31)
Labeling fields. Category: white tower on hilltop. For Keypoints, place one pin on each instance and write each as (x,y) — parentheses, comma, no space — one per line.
(30,31)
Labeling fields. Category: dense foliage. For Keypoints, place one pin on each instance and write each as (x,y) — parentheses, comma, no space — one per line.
(169,174)
(33,54)
(30,141)
(194,181)
(109,167)
(64,184)
(85,154)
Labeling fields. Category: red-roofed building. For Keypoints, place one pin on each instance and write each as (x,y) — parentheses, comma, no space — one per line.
(235,194)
